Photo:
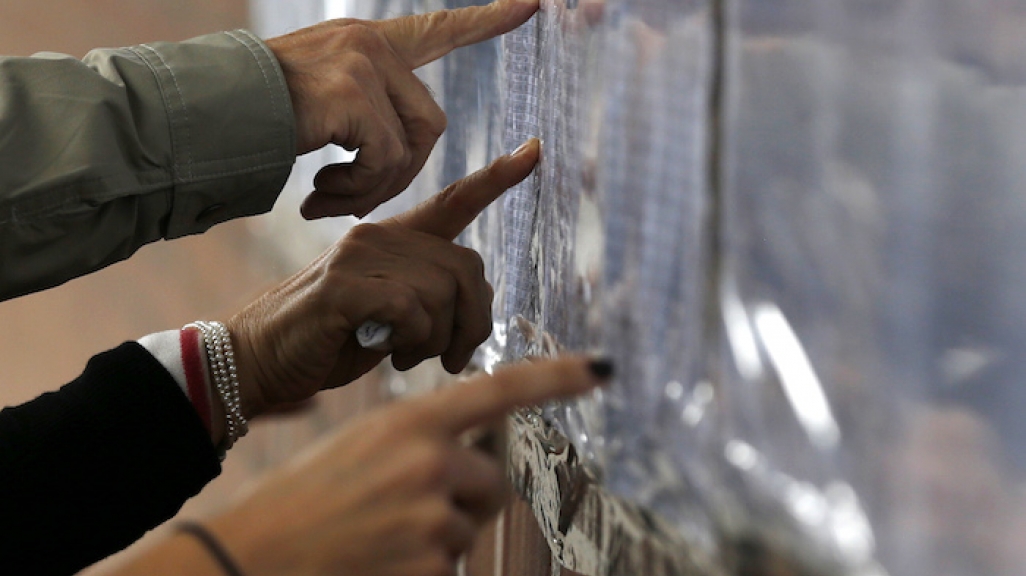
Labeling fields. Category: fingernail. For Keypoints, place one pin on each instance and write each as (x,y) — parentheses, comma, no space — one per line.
(601,368)
(523,148)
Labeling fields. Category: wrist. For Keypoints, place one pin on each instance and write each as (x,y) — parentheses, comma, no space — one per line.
(228,422)
(198,382)
(177,555)
(212,545)
(254,402)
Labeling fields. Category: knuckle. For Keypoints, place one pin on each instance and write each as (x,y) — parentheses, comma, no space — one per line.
(438,122)
(360,68)
(340,258)
(362,233)
(348,87)
(440,18)
(390,144)
(358,36)
(399,154)
(446,284)
(339,22)
(343,259)
(419,332)
(403,302)
(428,122)
(480,333)
(443,20)
(332,274)
(472,261)
(434,121)
(453,201)
(445,197)
(489,174)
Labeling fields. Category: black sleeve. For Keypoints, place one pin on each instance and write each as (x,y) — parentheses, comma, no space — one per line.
(87,470)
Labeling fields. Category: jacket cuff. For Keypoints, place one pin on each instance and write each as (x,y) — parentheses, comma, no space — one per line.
(231,121)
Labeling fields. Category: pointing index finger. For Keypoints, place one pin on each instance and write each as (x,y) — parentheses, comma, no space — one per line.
(423,38)
(483,399)
(447,213)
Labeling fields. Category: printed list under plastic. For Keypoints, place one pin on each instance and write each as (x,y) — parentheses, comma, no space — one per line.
(799,228)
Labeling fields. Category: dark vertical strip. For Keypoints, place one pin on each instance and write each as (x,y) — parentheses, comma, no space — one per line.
(715,147)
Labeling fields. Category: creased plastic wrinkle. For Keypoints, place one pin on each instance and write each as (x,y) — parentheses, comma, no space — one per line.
(798,228)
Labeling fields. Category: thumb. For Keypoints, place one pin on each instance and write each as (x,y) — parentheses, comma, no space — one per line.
(447,213)
(423,38)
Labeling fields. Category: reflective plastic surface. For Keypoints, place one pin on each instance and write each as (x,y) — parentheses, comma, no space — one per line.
(798,228)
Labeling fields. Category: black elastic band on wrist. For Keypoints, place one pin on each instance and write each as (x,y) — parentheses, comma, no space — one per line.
(213,545)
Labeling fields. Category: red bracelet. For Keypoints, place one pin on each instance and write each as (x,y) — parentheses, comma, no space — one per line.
(195,374)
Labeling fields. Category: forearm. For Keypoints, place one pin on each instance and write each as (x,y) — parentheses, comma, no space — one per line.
(131,145)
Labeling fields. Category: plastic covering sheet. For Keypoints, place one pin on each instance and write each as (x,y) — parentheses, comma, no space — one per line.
(871,273)
(799,228)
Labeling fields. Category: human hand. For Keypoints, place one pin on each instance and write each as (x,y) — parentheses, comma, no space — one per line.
(395,492)
(405,272)
(352,84)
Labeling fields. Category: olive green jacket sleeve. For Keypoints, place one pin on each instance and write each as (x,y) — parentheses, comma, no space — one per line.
(102,155)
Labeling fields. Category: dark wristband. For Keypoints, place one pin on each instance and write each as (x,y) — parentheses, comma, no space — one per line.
(213,546)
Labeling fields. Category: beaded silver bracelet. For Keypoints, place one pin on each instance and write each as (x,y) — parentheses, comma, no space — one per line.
(221,361)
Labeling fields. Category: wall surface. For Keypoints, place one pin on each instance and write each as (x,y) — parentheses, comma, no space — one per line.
(74,27)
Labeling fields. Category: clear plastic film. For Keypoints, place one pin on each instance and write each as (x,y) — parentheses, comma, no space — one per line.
(605,247)
(797,227)
(870,273)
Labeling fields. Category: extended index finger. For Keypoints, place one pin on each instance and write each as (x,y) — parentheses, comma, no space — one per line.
(423,38)
(482,399)
(447,213)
